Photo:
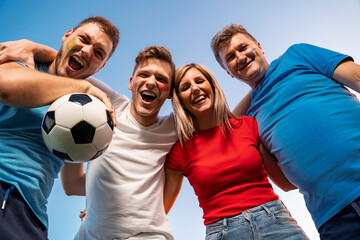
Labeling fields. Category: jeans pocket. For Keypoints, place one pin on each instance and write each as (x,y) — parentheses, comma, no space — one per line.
(214,236)
(283,216)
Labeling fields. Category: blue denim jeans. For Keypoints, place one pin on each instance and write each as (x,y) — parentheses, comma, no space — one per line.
(345,225)
(268,221)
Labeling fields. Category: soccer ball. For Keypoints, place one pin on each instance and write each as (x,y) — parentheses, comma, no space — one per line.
(77,127)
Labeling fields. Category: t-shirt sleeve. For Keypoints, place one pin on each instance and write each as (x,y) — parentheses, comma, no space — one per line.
(175,158)
(253,126)
(322,60)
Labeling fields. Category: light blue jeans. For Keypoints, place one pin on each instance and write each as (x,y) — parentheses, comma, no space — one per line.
(271,220)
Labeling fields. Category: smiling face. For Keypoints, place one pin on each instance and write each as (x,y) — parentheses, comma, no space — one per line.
(150,86)
(83,52)
(196,94)
(244,59)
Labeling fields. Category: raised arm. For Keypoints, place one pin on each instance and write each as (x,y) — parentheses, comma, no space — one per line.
(26,51)
(173,183)
(242,106)
(348,73)
(73,179)
(274,171)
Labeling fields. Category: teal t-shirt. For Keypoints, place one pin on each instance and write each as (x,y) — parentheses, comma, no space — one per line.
(312,125)
(25,162)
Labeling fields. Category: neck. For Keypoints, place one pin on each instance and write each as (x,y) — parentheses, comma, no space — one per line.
(143,120)
(206,122)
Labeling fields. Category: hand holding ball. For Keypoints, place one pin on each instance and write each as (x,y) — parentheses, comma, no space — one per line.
(77,127)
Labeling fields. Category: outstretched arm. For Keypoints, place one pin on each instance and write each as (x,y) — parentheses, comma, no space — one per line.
(348,73)
(274,171)
(242,106)
(173,183)
(73,179)
(27,88)
(26,51)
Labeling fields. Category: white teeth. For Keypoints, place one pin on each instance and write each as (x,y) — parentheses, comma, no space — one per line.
(198,99)
(149,94)
(78,60)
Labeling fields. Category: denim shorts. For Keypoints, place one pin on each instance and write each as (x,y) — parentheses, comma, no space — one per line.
(268,221)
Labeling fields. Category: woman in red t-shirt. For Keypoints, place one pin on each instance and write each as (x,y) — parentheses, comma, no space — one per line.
(225,163)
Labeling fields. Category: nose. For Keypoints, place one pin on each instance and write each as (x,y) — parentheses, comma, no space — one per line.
(151,82)
(86,50)
(195,88)
(240,57)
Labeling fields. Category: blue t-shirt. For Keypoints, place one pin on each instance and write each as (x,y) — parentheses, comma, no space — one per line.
(25,162)
(311,123)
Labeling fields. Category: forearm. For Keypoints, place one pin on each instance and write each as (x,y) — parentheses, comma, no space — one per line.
(242,106)
(44,54)
(73,179)
(27,88)
(274,171)
(173,183)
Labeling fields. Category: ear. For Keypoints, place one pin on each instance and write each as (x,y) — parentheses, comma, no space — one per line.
(130,81)
(102,66)
(259,45)
(68,33)
(229,74)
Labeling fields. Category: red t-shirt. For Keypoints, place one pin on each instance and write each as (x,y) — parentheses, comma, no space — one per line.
(226,172)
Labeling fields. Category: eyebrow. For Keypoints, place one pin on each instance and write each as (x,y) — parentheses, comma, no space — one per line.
(98,46)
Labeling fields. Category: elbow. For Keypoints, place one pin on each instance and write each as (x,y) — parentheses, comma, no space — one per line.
(287,187)
(69,192)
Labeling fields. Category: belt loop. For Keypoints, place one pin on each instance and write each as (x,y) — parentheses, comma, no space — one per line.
(225,222)
(267,210)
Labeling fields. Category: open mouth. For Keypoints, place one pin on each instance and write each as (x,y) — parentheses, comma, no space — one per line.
(75,63)
(199,99)
(148,96)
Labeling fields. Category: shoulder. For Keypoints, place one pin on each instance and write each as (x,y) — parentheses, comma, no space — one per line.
(243,120)
(113,95)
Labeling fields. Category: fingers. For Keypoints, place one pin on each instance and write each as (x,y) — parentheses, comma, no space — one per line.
(82,214)
(96,92)
(16,51)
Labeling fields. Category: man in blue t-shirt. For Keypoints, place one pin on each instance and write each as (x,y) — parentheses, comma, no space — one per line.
(27,168)
(307,119)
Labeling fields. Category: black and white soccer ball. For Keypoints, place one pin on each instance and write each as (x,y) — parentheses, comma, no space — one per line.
(77,127)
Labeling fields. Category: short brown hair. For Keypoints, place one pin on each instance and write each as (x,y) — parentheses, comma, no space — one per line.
(106,26)
(223,37)
(157,52)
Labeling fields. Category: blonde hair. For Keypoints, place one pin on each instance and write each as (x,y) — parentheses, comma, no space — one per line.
(185,121)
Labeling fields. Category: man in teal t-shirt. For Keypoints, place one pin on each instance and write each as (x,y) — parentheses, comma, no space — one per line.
(27,168)
(307,119)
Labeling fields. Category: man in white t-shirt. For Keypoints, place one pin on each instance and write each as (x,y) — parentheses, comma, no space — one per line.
(124,186)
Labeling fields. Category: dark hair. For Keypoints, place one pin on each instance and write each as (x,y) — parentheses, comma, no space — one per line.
(223,37)
(106,26)
(157,52)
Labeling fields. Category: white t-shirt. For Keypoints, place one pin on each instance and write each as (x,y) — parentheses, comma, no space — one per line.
(124,186)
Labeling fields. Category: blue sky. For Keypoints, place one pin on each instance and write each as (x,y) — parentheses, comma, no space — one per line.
(185,27)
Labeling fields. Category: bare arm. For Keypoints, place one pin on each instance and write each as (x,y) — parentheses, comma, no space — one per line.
(242,106)
(26,88)
(173,183)
(348,74)
(274,171)
(73,179)
(26,51)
